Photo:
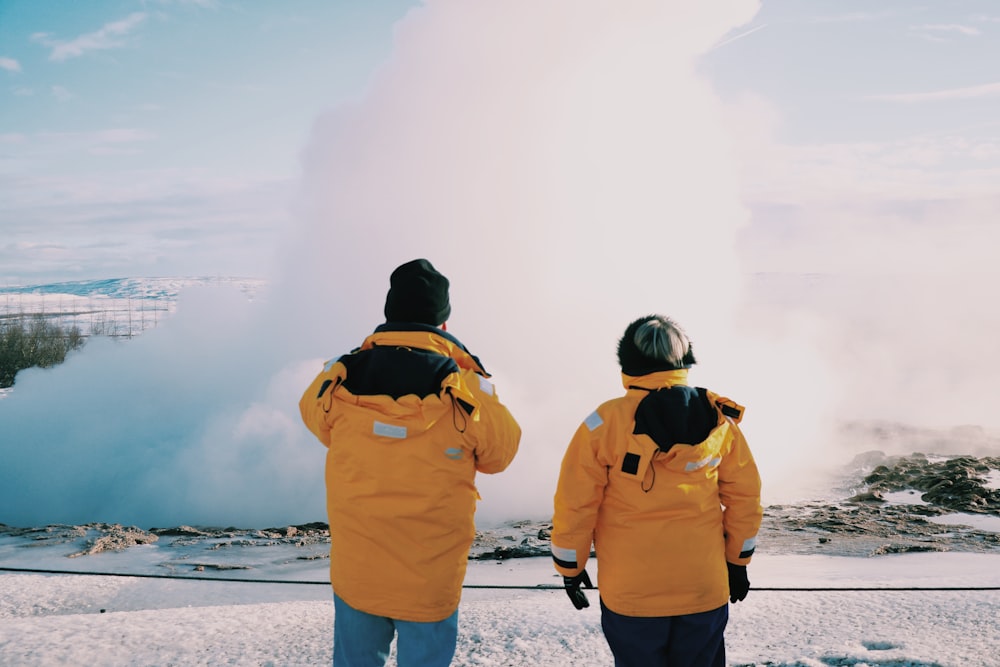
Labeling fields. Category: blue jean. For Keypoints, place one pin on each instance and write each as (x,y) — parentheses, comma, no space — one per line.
(690,640)
(362,640)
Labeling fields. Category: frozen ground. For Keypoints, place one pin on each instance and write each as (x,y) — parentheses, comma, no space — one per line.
(940,562)
(98,620)
(122,307)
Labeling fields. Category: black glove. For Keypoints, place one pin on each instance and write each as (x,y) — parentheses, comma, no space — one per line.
(572,586)
(739,585)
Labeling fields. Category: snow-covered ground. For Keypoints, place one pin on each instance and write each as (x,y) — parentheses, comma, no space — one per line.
(113,307)
(99,620)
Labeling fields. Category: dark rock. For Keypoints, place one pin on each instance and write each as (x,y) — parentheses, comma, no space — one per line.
(519,551)
(867,497)
(179,531)
(956,483)
(219,567)
(904,549)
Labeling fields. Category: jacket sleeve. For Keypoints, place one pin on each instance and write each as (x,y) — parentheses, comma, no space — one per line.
(739,491)
(317,399)
(579,493)
(496,435)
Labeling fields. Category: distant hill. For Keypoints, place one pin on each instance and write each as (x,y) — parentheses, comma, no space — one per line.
(122,307)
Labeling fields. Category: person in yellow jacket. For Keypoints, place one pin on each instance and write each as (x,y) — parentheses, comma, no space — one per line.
(408,418)
(663,485)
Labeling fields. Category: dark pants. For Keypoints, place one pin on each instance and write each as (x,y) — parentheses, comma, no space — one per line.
(691,640)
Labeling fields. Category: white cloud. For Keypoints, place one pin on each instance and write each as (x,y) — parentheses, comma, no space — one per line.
(968,92)
(609,166)
(902,237)
(207,4)
(61,93)
(943,32)
(122,135)
(109,224)
(869,195)
(947,28)
(741,35)
(852,17)
(107,37)
(919,169)
(9,64)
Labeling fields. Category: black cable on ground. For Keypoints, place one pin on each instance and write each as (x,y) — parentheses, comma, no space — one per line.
(139,575)
(539,587)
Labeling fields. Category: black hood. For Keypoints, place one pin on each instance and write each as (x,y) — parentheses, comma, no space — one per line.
(678,414)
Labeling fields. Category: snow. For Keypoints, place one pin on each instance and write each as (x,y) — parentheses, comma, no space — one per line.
(993,480)
(124,307)
(91,620)
(905,497)
(983,522)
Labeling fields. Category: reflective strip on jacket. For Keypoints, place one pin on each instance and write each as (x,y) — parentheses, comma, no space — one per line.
(400,470)
(662,523)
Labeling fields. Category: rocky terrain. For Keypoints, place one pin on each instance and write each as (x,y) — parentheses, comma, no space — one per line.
(897,506)
(895,510)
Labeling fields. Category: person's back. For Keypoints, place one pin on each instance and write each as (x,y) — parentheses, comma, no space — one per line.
(409,418)
(666,447)
(662,483)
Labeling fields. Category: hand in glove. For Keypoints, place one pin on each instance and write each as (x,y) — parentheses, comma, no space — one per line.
(572,585)
(739,585)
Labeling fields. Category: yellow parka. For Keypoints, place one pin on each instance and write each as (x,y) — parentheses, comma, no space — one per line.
(408,419)
(662,482)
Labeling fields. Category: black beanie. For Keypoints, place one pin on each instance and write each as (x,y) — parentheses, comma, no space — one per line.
(634,363)
(417,293)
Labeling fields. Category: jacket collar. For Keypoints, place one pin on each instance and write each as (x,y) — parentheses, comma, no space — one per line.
(657,380)
(424,337)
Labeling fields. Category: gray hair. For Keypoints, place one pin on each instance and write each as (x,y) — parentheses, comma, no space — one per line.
(661,338)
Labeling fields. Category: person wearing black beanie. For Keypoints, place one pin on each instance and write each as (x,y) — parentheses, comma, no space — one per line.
(409,419)
(417,293)
(662,483)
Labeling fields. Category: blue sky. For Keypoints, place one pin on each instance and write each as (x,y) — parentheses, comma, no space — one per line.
(872,134)
(860,71)
(163,137)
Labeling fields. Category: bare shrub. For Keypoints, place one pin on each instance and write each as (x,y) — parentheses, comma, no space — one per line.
(26,342)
